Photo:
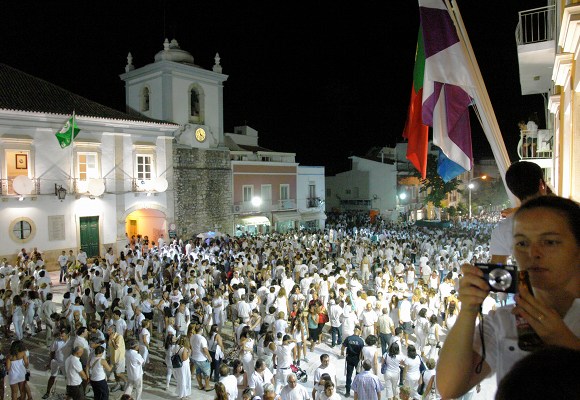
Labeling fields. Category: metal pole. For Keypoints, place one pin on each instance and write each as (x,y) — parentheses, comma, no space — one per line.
(469,186)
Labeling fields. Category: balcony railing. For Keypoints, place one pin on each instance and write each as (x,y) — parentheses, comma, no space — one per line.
(535,144)
(280,205)
(536,25)
(313,202)
(8,189)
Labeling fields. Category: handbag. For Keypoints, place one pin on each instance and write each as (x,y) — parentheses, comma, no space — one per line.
(384,365)
(176,361)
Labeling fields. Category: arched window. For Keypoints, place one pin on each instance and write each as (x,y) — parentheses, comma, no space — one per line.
(194,103)
(196,106)
(145,99)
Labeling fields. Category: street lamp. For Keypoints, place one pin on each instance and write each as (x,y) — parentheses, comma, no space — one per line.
(471,186)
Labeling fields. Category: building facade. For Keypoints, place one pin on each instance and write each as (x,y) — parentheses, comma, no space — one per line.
(548,48)
(89,194)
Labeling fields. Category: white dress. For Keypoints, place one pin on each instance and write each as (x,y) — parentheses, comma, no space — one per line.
(182,376)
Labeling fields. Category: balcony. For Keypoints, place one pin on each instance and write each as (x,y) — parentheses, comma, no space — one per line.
(535,144)
(314,202)
(536,41)
(248,207)
(8,187)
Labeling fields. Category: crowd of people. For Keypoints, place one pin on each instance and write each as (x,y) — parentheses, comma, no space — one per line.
(241,314)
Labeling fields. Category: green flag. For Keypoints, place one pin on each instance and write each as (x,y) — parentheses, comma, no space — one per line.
(68,132)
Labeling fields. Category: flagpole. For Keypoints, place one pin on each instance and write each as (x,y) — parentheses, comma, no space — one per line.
(72,153)
(486,117)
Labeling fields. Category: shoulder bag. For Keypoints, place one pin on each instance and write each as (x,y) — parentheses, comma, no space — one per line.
(176,361)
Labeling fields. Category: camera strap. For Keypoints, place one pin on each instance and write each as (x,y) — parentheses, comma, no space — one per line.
(479,365)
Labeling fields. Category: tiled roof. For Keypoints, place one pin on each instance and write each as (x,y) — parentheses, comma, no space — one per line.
(23,92)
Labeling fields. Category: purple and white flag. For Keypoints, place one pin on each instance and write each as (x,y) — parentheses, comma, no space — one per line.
(448,88)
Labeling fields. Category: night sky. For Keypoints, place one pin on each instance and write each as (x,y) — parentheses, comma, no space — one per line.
(323,79)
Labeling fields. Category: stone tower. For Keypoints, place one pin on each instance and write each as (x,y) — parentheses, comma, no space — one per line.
(173,88)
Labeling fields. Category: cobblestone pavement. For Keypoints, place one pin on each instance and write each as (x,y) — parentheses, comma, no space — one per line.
(154,375)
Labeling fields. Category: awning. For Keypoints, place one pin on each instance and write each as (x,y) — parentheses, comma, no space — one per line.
(312,216)
(254,220)
(286,216)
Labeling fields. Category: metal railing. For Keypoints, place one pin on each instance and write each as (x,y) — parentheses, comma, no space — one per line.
(280,205)
(8,189)
(535,144)
(536,25)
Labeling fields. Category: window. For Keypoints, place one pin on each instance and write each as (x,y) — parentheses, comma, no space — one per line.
(87,166)
(266,158)
(145,99)
(144,167)
(22,230)
(311,190)
(17,164)
(194,103)
(284,192)
(247,193)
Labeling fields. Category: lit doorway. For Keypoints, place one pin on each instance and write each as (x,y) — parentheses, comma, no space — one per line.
(148,223)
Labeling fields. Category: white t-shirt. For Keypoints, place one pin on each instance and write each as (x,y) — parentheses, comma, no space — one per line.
(297,393)
(501,338)
(198,343)
(500,243)
(405,311)
(134,364)
(256,381)
(73,367)
(284,355)
(231,384)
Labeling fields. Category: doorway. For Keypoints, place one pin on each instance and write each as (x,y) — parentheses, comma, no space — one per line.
(89,232)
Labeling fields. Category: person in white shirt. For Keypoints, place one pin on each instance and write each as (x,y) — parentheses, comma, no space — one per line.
(98,370)
(75,375)
(62,262)
(283,356)
(134,365)
(261,376)
(324,368)
(201,357)
(335,313)
(405,317)
(60,350)
(101,302)
(82,257)
(229,381)
(368,320)
(293,390)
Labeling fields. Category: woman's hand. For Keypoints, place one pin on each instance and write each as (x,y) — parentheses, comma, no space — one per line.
(546,321)
(472,289)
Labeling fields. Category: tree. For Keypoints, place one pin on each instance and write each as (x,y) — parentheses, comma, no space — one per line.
(490,192)
(433,185)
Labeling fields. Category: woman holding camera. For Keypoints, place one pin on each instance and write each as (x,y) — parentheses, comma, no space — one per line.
(546,243)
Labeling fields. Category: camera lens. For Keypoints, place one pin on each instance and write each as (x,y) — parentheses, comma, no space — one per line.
(500,279)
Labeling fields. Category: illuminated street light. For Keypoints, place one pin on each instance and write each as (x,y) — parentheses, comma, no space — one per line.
(471,186)
(256,201)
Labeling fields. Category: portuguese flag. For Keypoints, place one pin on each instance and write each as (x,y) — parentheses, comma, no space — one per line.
(416,133)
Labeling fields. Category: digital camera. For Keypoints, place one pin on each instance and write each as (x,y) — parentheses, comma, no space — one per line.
(500,277)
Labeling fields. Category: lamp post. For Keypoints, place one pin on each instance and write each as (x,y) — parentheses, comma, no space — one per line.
(471,186)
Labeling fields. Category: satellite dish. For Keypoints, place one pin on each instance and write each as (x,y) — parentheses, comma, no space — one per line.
(23,184)
(160,184)
(96,187)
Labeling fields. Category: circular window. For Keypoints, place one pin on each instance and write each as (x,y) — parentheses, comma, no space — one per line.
(22,230)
